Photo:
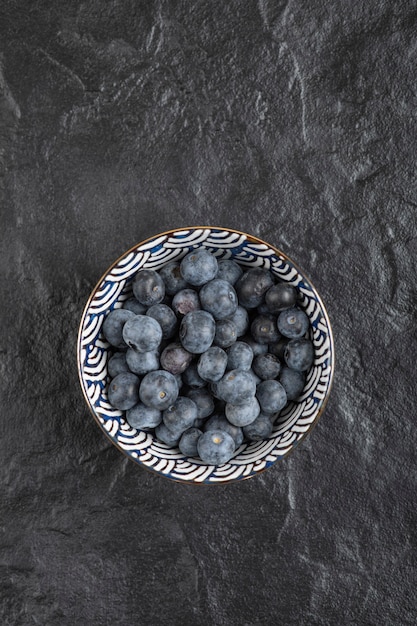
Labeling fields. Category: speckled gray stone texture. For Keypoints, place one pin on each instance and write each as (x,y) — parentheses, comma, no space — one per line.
(292,120)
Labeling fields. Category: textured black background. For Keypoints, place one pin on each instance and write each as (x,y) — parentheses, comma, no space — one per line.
(294,121)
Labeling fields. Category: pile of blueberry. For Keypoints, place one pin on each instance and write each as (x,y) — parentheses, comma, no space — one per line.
(208,354)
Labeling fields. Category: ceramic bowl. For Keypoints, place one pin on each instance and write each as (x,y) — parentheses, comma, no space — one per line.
(93,352)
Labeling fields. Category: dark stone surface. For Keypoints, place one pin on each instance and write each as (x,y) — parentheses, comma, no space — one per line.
(295,121)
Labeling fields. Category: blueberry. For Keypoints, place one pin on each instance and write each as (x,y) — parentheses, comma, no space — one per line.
(165,317)
(215,447)
(192,378)
(158,389)
(175,358)
(226,333)
(180,415)
(117,364)
(113,326)
(299,354)
(171,275)
(271,396)
(142,362)
(148,287)
(199,422)
(135,306)
(219,422)
(280,297)
(143,417)
(240,318)
(252,286)
(266,366)
(259,429)
(257,348)
(278,348)
(123,391)
(204,401)
(142,333)
(264,329)
(219,298)
(197,331)
(239,356)
(185,301)
(236,387)
(255,377)
(293,323)
(198,267)
(166,436)
(212,364)
(292,381)
(243,414)
(214,390)
(188,441)
(229,270)
(262,309)
(178,378)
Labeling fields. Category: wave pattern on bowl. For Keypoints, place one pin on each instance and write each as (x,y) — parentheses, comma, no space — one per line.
(294,421)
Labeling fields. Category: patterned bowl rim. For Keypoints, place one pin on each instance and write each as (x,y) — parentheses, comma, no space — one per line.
(251,239)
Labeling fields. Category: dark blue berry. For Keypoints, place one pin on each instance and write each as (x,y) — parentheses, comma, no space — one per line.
(280,297)
(142,362)
(180,415)
(135,306)
(266,366)
(165,317)
(175,358)
(117,364)
(197,331)
(188,441)
(204,401)
(239,356)
(192,378)
(262,309)
(254,376)
(264,329)
(219,422)
(148,287)
(212,364)
(214,391)
(236,387)
(158,389)
(123,391)
(293,323)
(229,270)
(299,354)
(243,414)
(143,417)
(257,348)
(113,326)
(215,447)
(219,298)
(171,275)
(252,286)
(271,396)
(142,333)
(259,429)
(185,301)
(240,318)
(226,333)
(292,381)
(167,436)
(178,378)
(278,348)
(198,267)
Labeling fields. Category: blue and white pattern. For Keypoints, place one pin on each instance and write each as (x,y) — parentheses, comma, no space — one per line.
(93,353)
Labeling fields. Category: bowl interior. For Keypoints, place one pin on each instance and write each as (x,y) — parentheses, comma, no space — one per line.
(294,422)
